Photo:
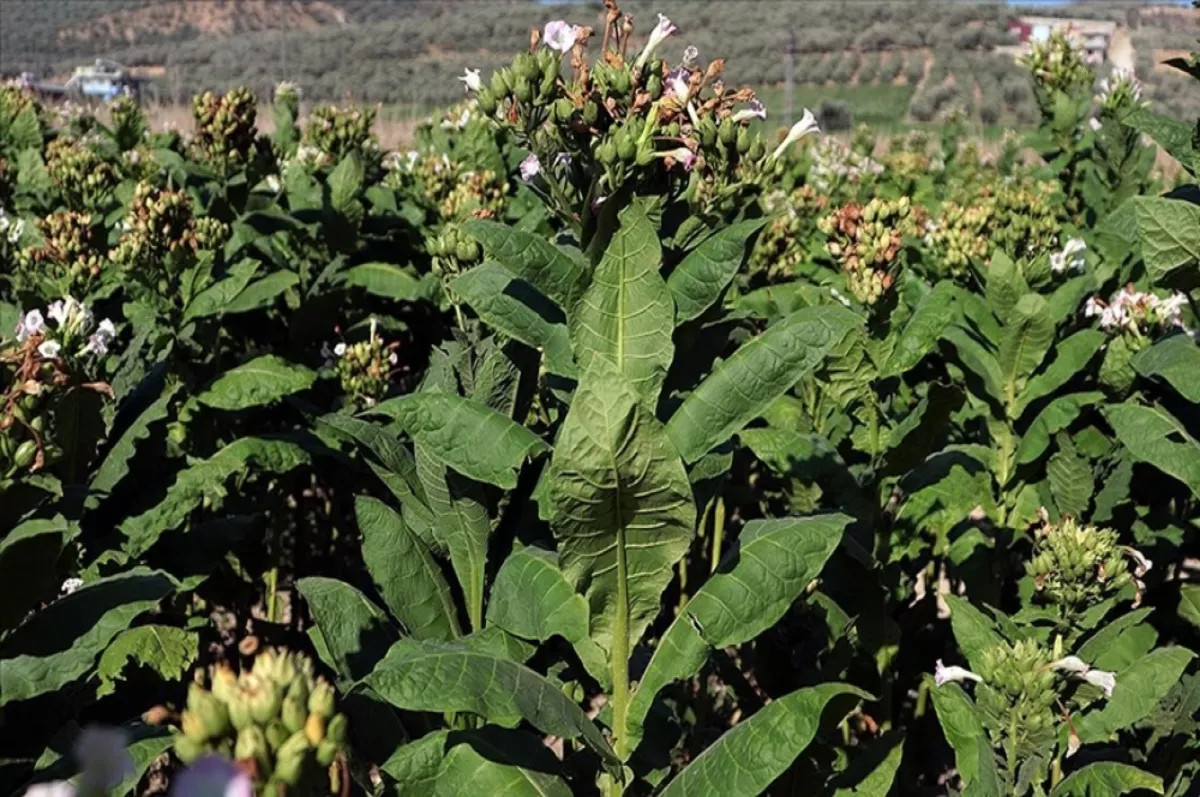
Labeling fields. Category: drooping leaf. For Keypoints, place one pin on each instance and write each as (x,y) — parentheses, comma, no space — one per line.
(213,299)
(1026,339)
(920,335)
(356,633)
(1054,418)
(872,773)
(206,479)
(261,292)
(700,278)
(1139,688)
(976,357)
(1169,230)
(427,676)
(963,727)
(533,259)
(1070,356)
(60,643)
(626,315)
(1069,476)
(1120,643)
(167,650)
(115,465)
(28,557)
(465,435)
(263,380)
(1106,779)
(746,759)
(1154,436)
(405,573)
(1175,359)
(488,761)
(757,374)
(973,631)
(386,280)
(398,466)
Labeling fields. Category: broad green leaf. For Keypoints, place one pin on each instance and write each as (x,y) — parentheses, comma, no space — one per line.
(1106,779)
(963,728)
(386,280)
(620,507)
(147,745)
(626,315)
(746,759)
(973,631)
(345,181)
(1175,359)
(427,676)
(533,259)
(263,380)
(1120,643)
(1070,356)
(742,387)
(1005,286)
(465,435)
(514,307)
(396,467)
(408,579)
(262,292)
(923,330)
(1027,337)
(28,558)
(1170,233)
(115,466)
(976,357)
(460,526)
(1171,134)
(936,508)
(707,270)
(206,479)
(167,650)
(1054,418)
(755,585)
(1153,436)
(213,299)
(60,643)
(1069,476)
(872,772)
(356,633)
(1189,603)
(490,761)
(1139,688)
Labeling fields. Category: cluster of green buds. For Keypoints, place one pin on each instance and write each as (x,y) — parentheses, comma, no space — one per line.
(781,246)
(1017,696)
(277,719)
(866,241)
(623,120)
(1075,567)
(226,128)
(957,238)
(285,112)
(161,223)
(71,255)
(337,132)
(128,122)
(479,194)
(907,164)
(84,178)
(1058,65)
(16,98)
(453,252)
(364,368)
(1024,217)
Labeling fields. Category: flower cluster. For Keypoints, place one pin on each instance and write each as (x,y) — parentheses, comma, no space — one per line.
(1069,259)
(278,719)
(337,132)
(83,177)
(71,332)
(226,128)
(71,255)
(364,368)
(1118,92)
(1058,65)
(161,223)
(1075,567)
(866,241)
(11,229)
(782,245)
(835,165)
(1135,313)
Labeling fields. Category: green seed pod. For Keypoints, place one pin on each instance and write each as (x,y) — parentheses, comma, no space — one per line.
(336,730)
(523,90)
(295,745)
(487,102)
(606,153)
(277,734)
(265,705)
(708,132)
(654,87)
(293,714)
(591,112)
(314,729)
(626,148)
(252,744)
(728,132)
(744,140)
(759,150)
(321,701)
(212,713)
(290,770)
(239,713)
(563,109)
(645,154)
(500,84)
(188,749)
(24,454)
(326,752)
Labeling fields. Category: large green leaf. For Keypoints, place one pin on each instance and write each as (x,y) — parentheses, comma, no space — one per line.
(626,315)
(620,506)
(872,772)
(263,380)
(396,467)
(1070,479)
(115,466)
(514,307)
(755,585)
(408,579)
(757,374)
(746,759)
(485,762)
(533,259)
(1106,779)
(355,632)
(262,292)
(28,561)
(963,727)
(167,650)
(1189,603)
(923,330)
(387,280)
(1026,339)
(704,273)
(1175,359)
(1170,233)
(1171,134)
(60,643)
(428,676)
(206,480)
(1154,436)
(465,435)
(1139,688)
(973,631)
(979,360)
(213,299)
(1054,418)
(1070,356)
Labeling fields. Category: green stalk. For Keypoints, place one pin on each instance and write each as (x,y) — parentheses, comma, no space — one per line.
(718,534)
(620,661)
(272,592)
(475,601)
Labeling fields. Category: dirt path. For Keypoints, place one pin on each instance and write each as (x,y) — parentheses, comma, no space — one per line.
(1120,49)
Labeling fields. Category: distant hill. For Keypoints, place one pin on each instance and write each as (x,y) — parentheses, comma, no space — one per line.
(891,62)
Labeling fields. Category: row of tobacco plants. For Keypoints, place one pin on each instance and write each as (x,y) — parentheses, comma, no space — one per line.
(606,443)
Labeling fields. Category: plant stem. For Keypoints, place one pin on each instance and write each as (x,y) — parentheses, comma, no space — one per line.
(620,658)
(272,590)
(718,534)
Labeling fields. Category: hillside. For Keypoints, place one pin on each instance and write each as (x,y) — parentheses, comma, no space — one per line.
(921,58)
